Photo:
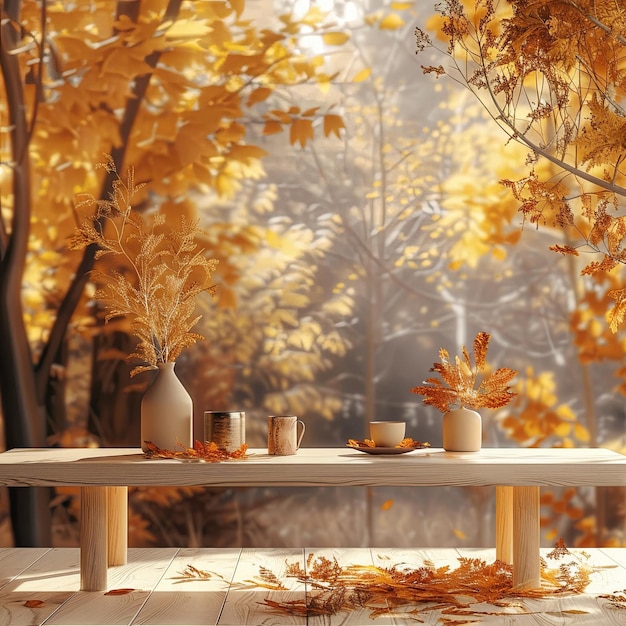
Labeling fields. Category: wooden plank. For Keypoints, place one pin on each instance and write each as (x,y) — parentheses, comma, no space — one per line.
(40,589)
(318,467)
(52,579)
(13,561)
(191,601)
(244,601)
(617,554)
(609,574)
(141,574)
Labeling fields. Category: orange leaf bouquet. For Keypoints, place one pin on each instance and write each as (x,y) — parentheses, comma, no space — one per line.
(456,386)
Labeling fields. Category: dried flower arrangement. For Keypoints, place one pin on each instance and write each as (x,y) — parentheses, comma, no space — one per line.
(457,385)
(164,270)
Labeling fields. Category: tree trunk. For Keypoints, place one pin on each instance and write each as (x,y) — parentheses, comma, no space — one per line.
(23,417)
(24,384)
(114,410)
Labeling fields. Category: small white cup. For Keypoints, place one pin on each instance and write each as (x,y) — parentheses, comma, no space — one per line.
(387,434)
(282,434)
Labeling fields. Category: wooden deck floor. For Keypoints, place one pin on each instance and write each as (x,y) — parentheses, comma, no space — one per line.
(40,586)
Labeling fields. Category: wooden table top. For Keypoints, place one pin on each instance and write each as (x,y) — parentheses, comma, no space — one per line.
(575,467)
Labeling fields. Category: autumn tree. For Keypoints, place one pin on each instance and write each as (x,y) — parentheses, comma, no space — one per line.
(551,75)
(161,85)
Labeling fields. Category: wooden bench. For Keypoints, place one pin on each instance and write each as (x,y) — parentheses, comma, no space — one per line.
(104,475)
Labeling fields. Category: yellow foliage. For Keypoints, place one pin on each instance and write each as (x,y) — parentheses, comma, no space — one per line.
(362,75)
(564,105)
(188,29)
(336,38)
(535,418)
(392,21)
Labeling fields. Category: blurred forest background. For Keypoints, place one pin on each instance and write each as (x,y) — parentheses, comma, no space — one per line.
(356,210)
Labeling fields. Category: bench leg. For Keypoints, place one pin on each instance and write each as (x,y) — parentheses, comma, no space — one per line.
(117,525)
(526,535)
(93,538)
(504,524)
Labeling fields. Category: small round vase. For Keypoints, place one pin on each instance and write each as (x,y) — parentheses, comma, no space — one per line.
(167,412)
(462,430)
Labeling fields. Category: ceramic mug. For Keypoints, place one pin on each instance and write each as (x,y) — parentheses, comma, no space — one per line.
(387,434)
(226,429)
(282,434)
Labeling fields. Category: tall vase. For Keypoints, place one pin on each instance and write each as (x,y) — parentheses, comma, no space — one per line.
(462,430)
(166,412)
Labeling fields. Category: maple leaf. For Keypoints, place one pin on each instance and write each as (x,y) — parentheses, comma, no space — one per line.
(617,314)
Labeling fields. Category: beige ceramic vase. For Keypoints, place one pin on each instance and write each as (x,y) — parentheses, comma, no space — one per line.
(167,412)
(462,430)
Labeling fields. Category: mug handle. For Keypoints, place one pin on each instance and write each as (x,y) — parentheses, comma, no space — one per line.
(300,423)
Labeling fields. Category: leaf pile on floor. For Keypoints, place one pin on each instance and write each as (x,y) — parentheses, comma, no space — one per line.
(208,452)
(453,591)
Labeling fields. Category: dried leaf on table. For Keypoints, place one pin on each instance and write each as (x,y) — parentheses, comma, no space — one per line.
(208,452)
(405,443)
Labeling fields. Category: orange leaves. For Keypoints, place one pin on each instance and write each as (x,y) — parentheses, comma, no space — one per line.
(536,418)
(207,451)
(301,131)
(553,76)
(33,604)
(422,590)
(272,127)
(601,140)
(259,95)
(458,381)
(617,314)
(481,345)
(300,123)
(333,124)
(596,320)
(564,250)
(407,442)
(555,506)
